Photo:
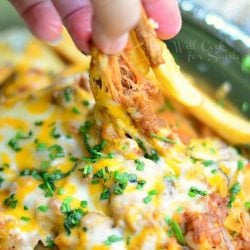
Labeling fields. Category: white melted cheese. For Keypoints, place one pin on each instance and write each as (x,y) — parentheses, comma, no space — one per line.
(134,219)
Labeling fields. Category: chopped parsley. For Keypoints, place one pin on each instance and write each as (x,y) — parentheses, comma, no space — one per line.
(139,165)
(41,147)
(60,191)
(56,151)
(43,208)
(84,204)
(94,151)
(175,230)
(1,180)
(21,136)
(45,165)
(54,133)
(85,103)
(76,111)
(11,201)
(86,170)
(68,94)
(152,155)
(65,207)
(247,204)
(25,208)
(140,184)
(72,216)
(193,191)
(14,142)
(153,192)
(214,171)
(48,178)
(112,239)
(105,194)
(38,123)
(234,190)
(240,165)
(50,242)
(207,163)
(179,209)
(122,180)
(73,159)
(147,199)
(164,139)
(24,218)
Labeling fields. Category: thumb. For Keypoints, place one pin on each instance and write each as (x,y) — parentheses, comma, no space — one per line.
(112,21)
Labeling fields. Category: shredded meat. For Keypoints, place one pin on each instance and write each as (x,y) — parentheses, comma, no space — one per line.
(128,87)
(242,244)
(209,226)
(218,207)
(243,241)
(135,97)
(146,35)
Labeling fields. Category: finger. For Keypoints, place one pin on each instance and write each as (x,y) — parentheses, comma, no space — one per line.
(41,17)
(77,16)
(111,22)
(166,13)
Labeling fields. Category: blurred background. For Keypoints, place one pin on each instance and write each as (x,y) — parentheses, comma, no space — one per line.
(237,12)
(213,45)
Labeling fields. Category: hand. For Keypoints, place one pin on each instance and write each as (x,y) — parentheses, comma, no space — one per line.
(106,22)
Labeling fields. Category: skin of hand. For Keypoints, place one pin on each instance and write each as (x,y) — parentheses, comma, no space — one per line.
(105,22)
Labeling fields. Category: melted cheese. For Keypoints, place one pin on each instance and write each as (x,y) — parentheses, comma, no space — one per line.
(134,218)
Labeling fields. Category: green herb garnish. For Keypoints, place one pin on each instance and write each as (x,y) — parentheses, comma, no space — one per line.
(72,219)
(147,199)
(85,103)
(54,133)
(94,151)
(139,165)
(105,194)
(50,242)
(175,230)
(24,218)
(68,94)
(56,151)
(38,123)
(112,239)
(43,208)
(86,170)
(76,111)
(48,178)
(11,201)
(240,165)
(140,184)
(164,139)
(193,191)
(84,204)
(247,204)
(41,147)
(208,163)
(234,190)
(152,155)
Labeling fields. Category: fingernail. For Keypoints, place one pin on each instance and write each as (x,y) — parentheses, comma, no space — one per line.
(112,46)
(55,42)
